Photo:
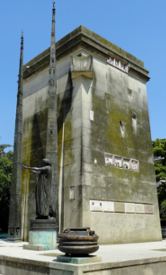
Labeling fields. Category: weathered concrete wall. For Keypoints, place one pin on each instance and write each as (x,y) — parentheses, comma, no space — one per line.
(35,130)
(118,98)
(140,269)
(29,267)
(10,266)
(107,176)
(34,140)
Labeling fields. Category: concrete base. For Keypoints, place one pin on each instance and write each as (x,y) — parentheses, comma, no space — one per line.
(42,235)
(78,260)
(128,259)
(36,247)
(42,240)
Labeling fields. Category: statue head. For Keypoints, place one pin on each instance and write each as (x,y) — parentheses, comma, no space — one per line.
(46,161)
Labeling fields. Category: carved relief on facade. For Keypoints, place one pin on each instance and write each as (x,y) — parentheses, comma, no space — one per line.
(118,64)
(81,63)
(121,162)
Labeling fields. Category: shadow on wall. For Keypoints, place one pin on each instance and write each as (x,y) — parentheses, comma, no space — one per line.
(65,105)
(38,141)
(39,134)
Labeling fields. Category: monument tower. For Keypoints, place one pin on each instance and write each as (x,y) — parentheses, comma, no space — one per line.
(104,156)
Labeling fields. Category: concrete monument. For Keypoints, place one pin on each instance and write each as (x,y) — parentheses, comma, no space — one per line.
(86,112)
(105,163)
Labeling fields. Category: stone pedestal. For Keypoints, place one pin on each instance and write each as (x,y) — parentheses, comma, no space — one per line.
(42,235)
(78,260)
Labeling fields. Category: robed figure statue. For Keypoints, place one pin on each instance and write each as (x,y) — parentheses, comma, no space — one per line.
(42,189)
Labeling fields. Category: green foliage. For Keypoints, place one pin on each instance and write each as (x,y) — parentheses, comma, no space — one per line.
(5,181)
(163,208)
(159,150)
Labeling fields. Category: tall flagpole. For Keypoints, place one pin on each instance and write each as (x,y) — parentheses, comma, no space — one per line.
(52,137)
(15,196)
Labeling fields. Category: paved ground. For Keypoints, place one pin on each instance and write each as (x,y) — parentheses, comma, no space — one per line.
(108,253)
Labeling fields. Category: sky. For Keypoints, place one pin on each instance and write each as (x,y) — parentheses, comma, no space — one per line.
(137,26)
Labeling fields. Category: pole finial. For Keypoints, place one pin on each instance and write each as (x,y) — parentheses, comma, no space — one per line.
(53,4)
(22,39)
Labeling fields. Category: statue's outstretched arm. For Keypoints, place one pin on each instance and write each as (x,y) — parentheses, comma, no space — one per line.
(37,169)
(33,169)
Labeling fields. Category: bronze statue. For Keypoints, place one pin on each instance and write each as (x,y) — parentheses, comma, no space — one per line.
(42,190)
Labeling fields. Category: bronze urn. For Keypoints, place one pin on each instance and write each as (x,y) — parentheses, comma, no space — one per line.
(78,241)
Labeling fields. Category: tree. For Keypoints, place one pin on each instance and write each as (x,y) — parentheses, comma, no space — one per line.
(159,150)
(6,163)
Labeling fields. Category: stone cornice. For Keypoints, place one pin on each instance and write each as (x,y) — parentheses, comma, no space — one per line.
(95,43)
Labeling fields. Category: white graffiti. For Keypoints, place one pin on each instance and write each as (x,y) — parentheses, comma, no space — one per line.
(118,64)
(121,162)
